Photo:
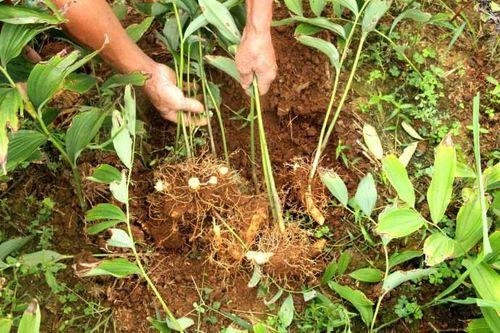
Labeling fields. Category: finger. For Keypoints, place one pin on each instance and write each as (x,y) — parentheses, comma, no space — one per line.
(246,80)
(264,81)
(170,115)
(192,105)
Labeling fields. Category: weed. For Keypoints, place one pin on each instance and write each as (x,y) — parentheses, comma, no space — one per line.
(407,309)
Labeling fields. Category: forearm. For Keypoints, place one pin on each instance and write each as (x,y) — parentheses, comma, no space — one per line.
(259,15)
(90,21)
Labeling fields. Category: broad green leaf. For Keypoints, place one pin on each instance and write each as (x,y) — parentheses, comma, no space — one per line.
(464,171)
(295,6)
(491,177)
(306,29)
(286,312)
(137,30)
(79,82)
(469,229)
(414,14)
(372,141)
(352,5)
(122,142)
(398,177)
(14,37)
(370,275)
(315,21)
(101,226)
(492,318)
(343,262)
(120,80)
(5,324)
(366,194)
(486,281)
(317,6)
(22,15)
(106,174)
(30,321)
(259,328)
(438,248)
(180,324)
(398,277)
(373,13)
(399,223)
(219,16)
(224,64)
(478,326)
(407,153)
(82,131)
(441,187)
(330,272)
(13,245)
(11,104)
(119,238)
(357,299)
(105,211)
(411,131)
(22,145)
(43,257)
(399,258)
(118,268)
(120,190)
(335,185)
(323,46)
(129,109)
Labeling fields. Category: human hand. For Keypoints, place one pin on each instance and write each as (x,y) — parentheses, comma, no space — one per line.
(255,55)
(163,92)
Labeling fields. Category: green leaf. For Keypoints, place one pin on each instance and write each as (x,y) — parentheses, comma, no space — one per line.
(224,64)
(136,30)
(295,6)
(469,229)
(79,82)
(106,174)
(122,142)
(118,268)
(407,153)
(30,321)
(120,190)
(398,277)
(323,46)
(370,275)
(398,223)
(399,258)
(366,194)
(119,238)
(414,14)
(486,281)
(259,328)
(372,141)
(23,15)
(101,226)
(398,177)
(11,104)
(357,299)
(491,177)
(441,187)
(352,5)
(306,29)
(335,185)
(6,324)
(83,129)
(13,245)
(219,16)
(317,6)
(43,257)
(22,145)
(120,80)
(180,324)
(129,109)
(411,131)
(478,326)
(320,22)
(14,37)
(105,211)
(286,312)
(438,248)
(330,272)
(373,13)
(343,263)
(492,318)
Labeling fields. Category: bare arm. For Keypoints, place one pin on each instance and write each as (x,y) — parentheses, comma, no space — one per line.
(256,53)
(90,21)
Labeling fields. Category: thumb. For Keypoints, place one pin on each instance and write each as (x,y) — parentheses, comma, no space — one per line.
(191,105)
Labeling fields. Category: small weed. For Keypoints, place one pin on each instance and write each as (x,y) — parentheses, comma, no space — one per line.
(408,310)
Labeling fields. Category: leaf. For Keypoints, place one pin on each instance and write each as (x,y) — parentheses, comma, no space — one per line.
(219,16)
(373,13)
(357,299)
(486,281)
(295,6)
(137,30)
(399,258)
(469,228)
(398,223)
(478,326)
(129,109)
(286,312)
(352,5)
(79,82)
(82,131)
(343,263)
(23,15)
(43,257)
(13,245)
(366,194)
(120,80)
(14,37)
(398,277)
(407,153)
(320,22)
(22,145)
(411,131)
(323,46)
(414,14)
(464,171)
(438,248)
(317,6)
(106,174)
(370,275)
(6,324)
(120,189)
(398,177)
(180,324)
(335,185)
(30,321)
(118,268)
(11,105)
(119,238)
(372,141)
(256,276)
(105,211)
(224,64)
(330,272)
(441,187)
(306,29)
(122,142)
(491,177)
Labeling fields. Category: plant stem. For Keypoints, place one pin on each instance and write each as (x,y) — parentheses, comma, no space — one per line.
(266,163)
(386,274)
(253,155)
(205,99)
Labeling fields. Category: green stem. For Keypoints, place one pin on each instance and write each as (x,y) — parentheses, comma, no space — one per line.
(386,274)
(7,76)
(205,99)
(253,154)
